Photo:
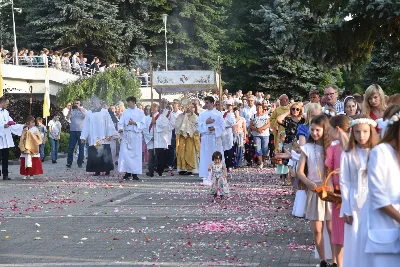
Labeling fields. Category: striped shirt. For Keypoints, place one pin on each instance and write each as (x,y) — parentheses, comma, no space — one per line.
(339,107)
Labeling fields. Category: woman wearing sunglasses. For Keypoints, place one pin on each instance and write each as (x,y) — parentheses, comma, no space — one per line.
(290,121)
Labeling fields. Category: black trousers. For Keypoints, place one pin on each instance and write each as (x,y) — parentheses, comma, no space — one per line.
(4,153)
(229,158)
(158,159)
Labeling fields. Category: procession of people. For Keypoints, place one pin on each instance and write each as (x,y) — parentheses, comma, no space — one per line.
(342,160)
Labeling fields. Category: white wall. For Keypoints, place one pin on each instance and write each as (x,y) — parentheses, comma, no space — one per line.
(18,76)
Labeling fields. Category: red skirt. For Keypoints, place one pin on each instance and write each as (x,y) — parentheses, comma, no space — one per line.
(36,168)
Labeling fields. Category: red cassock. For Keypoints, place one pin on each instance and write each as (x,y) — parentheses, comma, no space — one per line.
(36,168)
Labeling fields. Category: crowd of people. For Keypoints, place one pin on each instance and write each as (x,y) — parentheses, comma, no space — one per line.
(354,139)
(69,62)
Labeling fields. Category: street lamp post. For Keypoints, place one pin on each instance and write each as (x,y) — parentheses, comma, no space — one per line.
(15,35)
(164,18)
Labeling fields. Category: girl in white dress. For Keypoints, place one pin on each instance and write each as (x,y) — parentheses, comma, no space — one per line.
(313,157)
(219,186)
(354,182)
(378,233)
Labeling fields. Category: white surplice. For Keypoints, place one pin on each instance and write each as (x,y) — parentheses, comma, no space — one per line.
(161,132)
(227,135)
(6,140)
(383,190)
(130,154)
(169,115)
(354,189)
(211,141)
(97,126)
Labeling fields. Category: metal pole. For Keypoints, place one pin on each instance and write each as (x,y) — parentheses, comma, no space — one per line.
(166,45)
(30,100)
(220,83)
(151,106)
(15,35)
(1,33)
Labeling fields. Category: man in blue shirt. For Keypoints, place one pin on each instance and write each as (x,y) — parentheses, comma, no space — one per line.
(77,116)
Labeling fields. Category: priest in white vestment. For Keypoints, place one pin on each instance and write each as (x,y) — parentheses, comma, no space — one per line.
(131,124)
(156,134)
(7,127)
(172,148)
(98,130)
(211,127)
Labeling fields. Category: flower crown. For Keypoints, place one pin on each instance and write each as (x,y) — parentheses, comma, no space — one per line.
(385,124)
(394,118)
(363,121)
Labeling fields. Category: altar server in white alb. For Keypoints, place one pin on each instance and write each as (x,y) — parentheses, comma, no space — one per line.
(131,124)
(168,113)
(7,127)
(211,127)
(378,238)
(227,136)
(157,126)
(98,130)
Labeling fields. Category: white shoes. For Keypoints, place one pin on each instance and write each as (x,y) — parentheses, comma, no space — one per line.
(261,166)
(26,177)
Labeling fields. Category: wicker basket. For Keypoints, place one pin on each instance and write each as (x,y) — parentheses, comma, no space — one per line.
(324,192)
(276,160)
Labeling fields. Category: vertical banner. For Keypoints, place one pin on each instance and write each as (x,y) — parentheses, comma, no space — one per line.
(46,102)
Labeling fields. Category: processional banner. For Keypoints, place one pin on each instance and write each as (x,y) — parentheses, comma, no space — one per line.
(170,82)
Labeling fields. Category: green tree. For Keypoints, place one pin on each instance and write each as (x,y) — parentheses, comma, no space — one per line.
(332,38)
(197,30)
(278,70)
(112,86)
(385,60)
(78,23)
(241,51)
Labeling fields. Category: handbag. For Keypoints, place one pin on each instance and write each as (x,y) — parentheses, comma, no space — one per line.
(299,207)
(382,241)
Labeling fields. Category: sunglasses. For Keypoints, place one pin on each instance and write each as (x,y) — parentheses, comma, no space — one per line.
(330,94)
(295,109)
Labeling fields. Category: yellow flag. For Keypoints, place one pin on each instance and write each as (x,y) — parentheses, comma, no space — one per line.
(1,77)
(46,102)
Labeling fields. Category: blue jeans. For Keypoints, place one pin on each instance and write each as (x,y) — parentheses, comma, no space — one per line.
(54,144)
(238,154)
(74,138)
(41,151)
(261,145)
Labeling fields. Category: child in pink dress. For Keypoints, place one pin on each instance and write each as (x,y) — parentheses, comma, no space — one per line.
(338,127)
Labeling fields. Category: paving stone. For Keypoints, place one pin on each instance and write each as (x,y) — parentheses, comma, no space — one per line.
(160,221)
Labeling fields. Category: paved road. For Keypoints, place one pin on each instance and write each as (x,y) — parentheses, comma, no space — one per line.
(69,218)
